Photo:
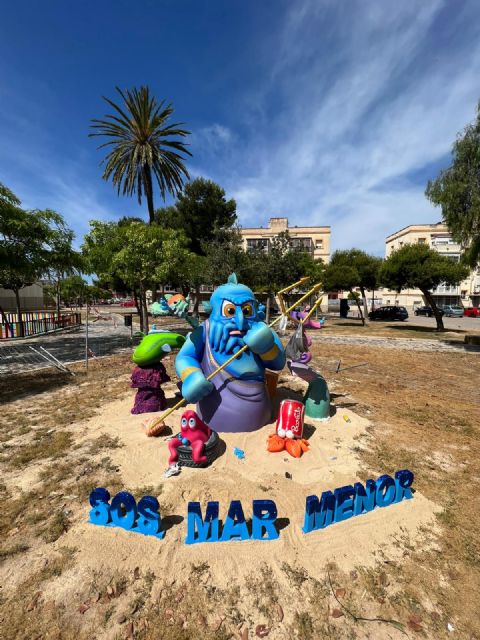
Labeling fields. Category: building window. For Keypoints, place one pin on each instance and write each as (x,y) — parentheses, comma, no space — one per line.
(301,244)
(422,240)
(319,244)
(255,244)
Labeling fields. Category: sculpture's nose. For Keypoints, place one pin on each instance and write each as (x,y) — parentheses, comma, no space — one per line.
(240,319)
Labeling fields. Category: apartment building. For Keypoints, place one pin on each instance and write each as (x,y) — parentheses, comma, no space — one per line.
(315,240)
(437,237)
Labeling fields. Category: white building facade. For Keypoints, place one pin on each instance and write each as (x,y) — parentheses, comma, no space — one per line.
(437,237)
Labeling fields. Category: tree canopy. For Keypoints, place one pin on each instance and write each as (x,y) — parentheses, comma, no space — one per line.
(143,146)
(457,191)
(416,266)
(33,244)
(140,254)
(201,210)
(350,269)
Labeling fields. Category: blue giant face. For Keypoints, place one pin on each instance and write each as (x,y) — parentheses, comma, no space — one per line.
(234,312)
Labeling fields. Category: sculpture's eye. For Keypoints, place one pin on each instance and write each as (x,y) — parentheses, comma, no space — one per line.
(192,423)
(228,309)
(248,310)
(184,422)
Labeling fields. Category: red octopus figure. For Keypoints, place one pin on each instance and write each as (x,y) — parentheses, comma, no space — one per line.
(195,433)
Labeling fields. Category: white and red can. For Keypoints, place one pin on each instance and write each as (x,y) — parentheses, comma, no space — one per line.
(291,414)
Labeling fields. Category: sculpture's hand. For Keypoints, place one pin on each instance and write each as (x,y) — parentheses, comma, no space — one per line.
(196,386)
(260,339)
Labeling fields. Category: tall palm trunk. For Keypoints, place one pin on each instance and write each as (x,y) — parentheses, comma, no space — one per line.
(149,193)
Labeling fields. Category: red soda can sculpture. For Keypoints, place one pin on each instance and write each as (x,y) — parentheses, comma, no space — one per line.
(290,419)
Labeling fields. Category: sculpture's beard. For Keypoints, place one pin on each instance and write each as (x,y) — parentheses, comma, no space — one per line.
(225,338)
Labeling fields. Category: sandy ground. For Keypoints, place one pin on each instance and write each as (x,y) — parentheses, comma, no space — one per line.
(331,462)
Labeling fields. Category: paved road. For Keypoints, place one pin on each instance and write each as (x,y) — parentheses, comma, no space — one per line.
(413,344)
(105,337)
(465,324)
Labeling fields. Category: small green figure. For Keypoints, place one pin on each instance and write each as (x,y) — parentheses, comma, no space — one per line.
(317,399)
(317,396)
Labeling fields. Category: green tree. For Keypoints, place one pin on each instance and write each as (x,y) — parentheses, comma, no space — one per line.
(340,276)
(201,209)
(207,218)
(457,191)
(416,266)
(224,255)
(350,269)
(63,259)
(32,244)
(143,146)
(141,255)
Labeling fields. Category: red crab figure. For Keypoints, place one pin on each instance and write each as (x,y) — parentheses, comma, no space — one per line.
(195,433)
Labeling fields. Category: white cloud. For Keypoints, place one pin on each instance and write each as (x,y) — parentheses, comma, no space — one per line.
(379,108)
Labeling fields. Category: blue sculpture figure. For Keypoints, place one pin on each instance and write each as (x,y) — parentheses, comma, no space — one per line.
(236,399)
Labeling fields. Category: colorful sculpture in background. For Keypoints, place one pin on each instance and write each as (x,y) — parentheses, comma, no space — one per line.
(236,399)
(174,305)
(309,323)
(150,373)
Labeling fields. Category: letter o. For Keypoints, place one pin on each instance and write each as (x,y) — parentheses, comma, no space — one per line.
(125,520)
(385,491)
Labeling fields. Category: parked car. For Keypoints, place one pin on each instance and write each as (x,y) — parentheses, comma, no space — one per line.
(128,303)
(453,311)
(389,313)
(426,311)
(471,312)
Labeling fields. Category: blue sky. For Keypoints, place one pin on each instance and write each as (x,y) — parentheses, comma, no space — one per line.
(329,112)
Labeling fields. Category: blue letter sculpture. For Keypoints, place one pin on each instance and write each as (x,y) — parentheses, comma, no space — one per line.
(236,399)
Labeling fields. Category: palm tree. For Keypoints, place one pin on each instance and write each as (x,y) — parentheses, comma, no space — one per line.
(142,145)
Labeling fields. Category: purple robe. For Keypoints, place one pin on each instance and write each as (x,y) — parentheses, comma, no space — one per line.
(149,397)
(234,405)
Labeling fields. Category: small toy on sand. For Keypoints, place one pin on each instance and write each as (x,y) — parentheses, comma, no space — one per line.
(240,453)
(196,445)
(195,433)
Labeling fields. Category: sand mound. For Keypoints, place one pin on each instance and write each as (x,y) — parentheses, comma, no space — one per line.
(331,462)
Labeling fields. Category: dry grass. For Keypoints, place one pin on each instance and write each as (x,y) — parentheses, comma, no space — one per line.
(426,413)
(352,326)
(426,416)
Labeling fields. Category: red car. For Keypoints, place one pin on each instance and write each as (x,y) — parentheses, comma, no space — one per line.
(472,312)
(127,303)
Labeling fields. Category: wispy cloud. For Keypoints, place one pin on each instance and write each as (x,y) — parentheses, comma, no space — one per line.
(367,92)
(333,113)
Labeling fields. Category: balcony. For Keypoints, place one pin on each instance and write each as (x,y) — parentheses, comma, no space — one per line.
(302,244)
(258,244)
